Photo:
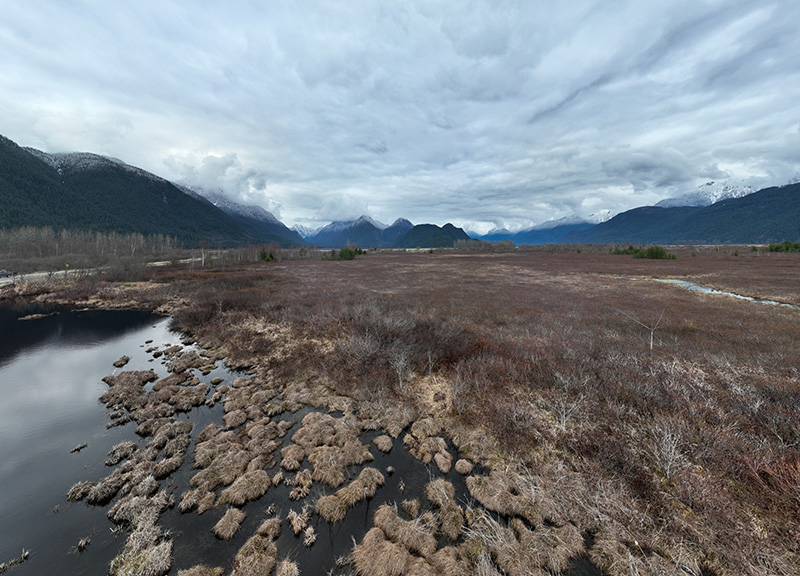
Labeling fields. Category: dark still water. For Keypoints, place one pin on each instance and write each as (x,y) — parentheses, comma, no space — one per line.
(50,380)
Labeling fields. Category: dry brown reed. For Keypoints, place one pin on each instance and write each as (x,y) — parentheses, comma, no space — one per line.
(442,494)
(464,467)
(331,462)
(229,524)
(101,493)
(248,487)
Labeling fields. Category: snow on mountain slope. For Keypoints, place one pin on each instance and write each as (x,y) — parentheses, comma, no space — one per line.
(707,194)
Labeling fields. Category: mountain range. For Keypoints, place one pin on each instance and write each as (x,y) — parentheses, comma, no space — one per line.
(93,192)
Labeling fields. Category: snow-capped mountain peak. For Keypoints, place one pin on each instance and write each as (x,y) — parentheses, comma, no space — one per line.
(305,231)
(367,219)
(707,194)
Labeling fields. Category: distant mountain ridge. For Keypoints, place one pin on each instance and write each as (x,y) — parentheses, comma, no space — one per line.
(765,216)
(363,232)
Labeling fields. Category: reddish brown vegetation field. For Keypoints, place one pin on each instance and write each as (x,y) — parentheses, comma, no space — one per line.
(680,459)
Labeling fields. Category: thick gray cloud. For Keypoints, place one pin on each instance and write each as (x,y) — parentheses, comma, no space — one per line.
(495,113)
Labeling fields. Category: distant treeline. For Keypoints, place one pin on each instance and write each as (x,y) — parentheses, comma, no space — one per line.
(33,242)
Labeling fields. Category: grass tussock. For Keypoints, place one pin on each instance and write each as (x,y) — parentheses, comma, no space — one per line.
(333,508)
(120,452)
(202,570)
(258,556)
(302,482)
(167,466)
(416,536)
(287,567)
(229,524)
(377,556)
(464,467)
(79,491)
(248,487)
(292,457)
(298,520)
(383,443)
(270,528)
(442,494)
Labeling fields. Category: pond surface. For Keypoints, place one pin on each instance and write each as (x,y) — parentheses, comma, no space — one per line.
(50,379)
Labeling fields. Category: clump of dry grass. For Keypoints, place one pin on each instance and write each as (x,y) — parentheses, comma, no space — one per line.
(79,491)
(517,550)
(442,494)
(333,508)
(377,556)
(452,561)
(224,468)
(298,520)
(302,483)
(148,550)
(309,536)
(167,466)
(331,444)
(270,528)
(383,443)
(287,567)
(101,493)
(206,502)
(201,571)
(464,467)
(444,461)
(250,486)
(424,444)
(416,536)
(120,452)
(229,524)
(292,457)
(331,462)
(190,499)
(510,493)
(411,507)
(258,556)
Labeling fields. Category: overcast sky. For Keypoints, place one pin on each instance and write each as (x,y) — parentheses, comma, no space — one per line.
(484,114)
